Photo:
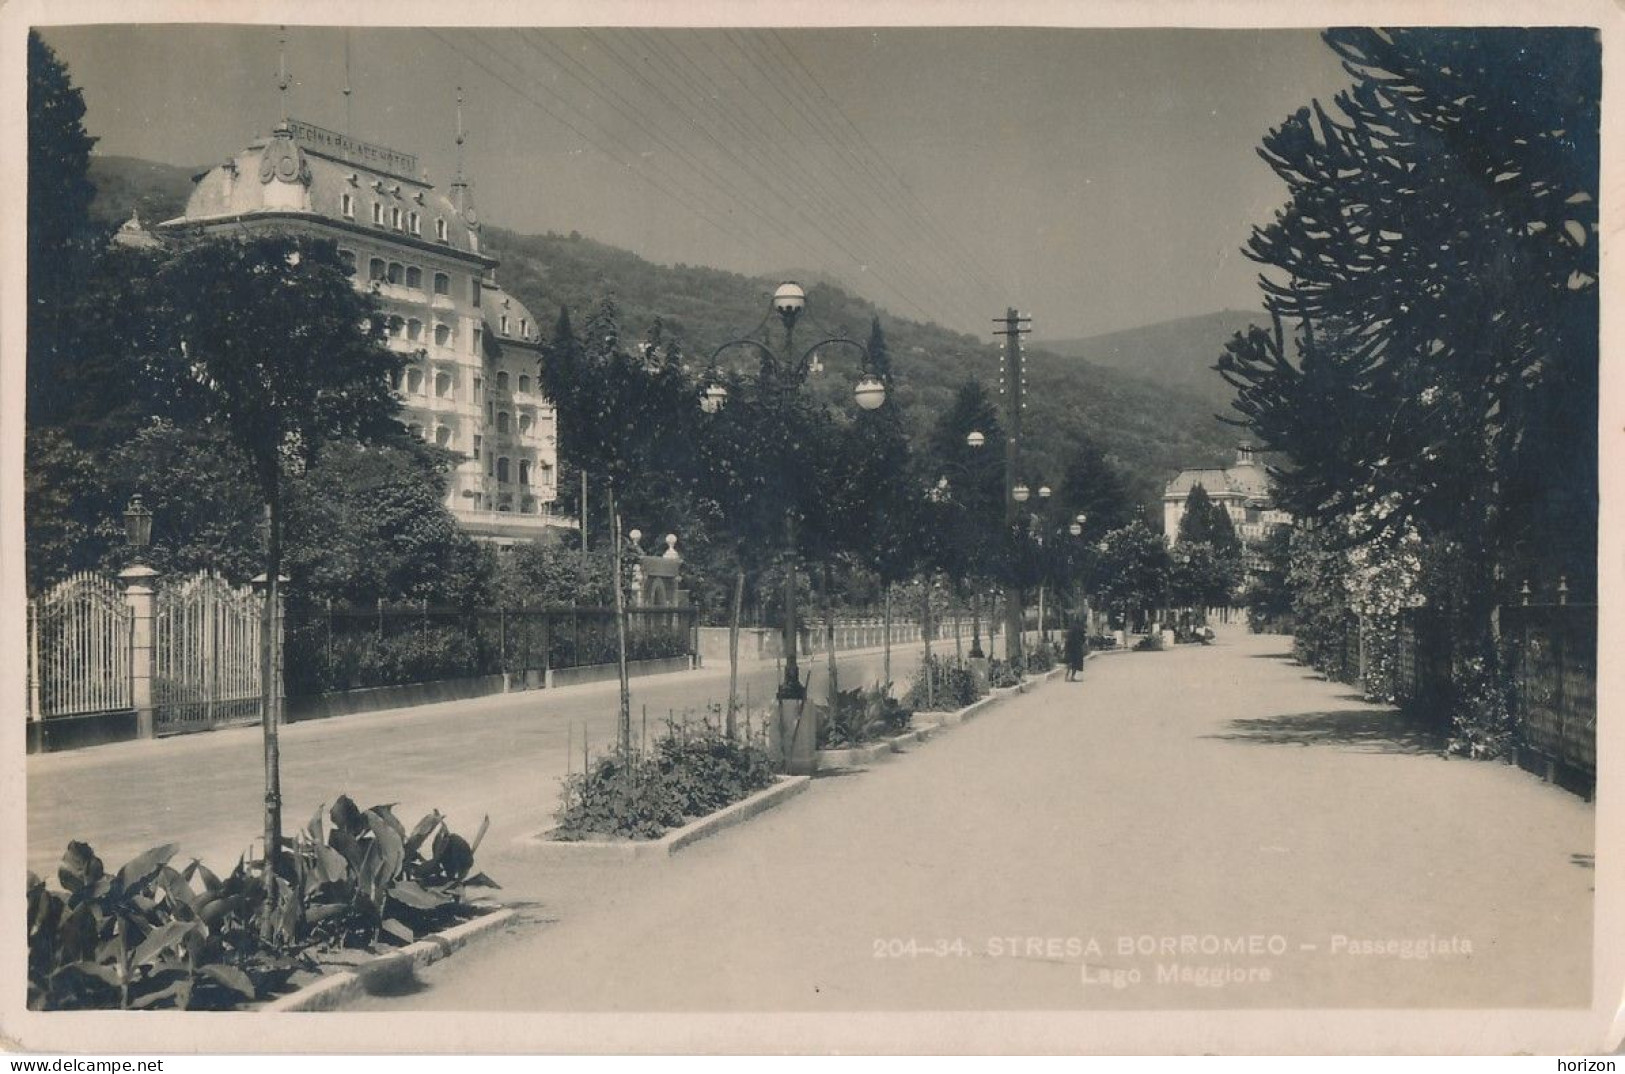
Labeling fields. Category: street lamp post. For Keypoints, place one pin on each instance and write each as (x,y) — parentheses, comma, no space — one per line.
(975,439)
(783,374)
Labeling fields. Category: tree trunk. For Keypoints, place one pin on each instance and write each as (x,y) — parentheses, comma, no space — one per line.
(829,637)
(270,714)
(731,723)
(885,619)
(925,636)
(625,724)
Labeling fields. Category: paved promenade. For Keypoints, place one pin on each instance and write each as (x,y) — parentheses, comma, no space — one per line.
(1202,828)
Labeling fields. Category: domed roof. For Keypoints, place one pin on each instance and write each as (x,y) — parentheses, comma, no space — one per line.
(304,169)
(506,317)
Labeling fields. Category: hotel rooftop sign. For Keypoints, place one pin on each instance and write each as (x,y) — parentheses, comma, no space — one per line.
(354,151)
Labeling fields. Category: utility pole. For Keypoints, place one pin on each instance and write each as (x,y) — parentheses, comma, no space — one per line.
(1012,385)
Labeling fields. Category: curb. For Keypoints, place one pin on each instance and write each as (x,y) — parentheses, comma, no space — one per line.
(337,989)
(859,755)
(602,850)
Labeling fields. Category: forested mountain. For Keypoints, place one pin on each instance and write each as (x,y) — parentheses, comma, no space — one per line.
(1172,354)
(1150,430)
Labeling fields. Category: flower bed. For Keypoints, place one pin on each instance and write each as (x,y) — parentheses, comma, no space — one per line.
(690,772)
(942,684)
(861,716)
(147,937)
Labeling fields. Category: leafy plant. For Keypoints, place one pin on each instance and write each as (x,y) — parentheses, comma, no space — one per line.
(370,878)
(862,715)
(1040,658)
(143,937)
(692,771)
(1001,674)
(146,937)
(941,683)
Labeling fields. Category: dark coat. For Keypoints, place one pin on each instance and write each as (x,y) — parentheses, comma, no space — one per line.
(1075,646)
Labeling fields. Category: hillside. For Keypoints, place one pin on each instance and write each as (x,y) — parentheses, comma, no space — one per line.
(156,191)
(1172,354)
(1149,430)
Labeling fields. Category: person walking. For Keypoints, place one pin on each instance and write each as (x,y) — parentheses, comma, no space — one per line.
(1075,647)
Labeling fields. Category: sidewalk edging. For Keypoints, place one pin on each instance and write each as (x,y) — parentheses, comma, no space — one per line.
(336,989)
(598,850)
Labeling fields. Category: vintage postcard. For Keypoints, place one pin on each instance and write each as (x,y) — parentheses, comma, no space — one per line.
(742,528)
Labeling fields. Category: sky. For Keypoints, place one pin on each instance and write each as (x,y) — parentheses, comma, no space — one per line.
(1094,179)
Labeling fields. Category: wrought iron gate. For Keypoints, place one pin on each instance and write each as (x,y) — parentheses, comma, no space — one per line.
(79,649)
(206,655)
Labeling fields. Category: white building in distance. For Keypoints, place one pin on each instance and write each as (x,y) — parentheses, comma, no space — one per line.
(471,382)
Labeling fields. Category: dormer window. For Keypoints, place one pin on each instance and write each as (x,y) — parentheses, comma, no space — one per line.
(440,229)
(347,205)
(395,218)
(524,328)
(412,223)
(504,328)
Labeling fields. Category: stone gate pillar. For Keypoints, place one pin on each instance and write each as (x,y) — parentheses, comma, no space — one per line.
(139,594)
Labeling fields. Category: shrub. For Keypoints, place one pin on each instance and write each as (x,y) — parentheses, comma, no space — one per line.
(624,796)
(862,715)
(1002,674)
(692,771)
(1103,641)
(145,937)
(952,686)
(1483,722)
(1040,658)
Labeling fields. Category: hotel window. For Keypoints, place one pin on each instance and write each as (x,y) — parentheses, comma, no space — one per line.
(376,270)
(479,389)
(442,385)
(414,330)
(442,284)
(347,205)
(490,411)
(414,381)
(414,276)
(502,381)
(478,440)
(442,335)
(502,421)
(524,472)
(525,422)
(477,340)
(524,383)
(547,474)
(395,378)
(416,430)
(347,259)
(440,229)
(490,471)
(413,224)
(524,328)
(378,212)
(396,326)
(504,328)
(442,436)
(395,218)
(502,471)
(474,290)
(397,272)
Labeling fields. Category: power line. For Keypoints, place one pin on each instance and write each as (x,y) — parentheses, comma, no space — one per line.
(808,115)
(618,103)
(875,155)
(793,177)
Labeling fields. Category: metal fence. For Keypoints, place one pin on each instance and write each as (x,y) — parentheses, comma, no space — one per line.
(206,655)
(1551,651)
(1422,677)
(79,649)
(332,648)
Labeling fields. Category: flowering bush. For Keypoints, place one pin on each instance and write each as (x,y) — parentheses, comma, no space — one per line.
(1483,723)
